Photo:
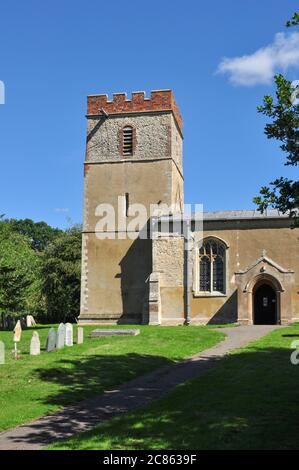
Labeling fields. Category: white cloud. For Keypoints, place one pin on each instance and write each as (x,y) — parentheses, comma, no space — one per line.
(261,66)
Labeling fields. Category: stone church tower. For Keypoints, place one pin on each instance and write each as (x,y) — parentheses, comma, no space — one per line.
(133,156)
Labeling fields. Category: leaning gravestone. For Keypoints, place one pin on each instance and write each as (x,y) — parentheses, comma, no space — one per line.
(68,334)
(60,336)
(17,338)
(80,333)
(30,321)
(51,340)
(35,344)
(2,353)
(17,332)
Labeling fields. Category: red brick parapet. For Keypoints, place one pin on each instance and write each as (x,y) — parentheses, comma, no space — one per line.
(160,100)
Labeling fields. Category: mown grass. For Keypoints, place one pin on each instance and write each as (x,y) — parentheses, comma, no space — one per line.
(249,401)
(36,385)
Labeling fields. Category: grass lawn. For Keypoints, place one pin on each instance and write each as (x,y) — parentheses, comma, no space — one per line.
(36,385)
(249,401)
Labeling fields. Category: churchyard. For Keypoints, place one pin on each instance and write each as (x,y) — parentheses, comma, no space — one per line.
(52,366)
(249,401)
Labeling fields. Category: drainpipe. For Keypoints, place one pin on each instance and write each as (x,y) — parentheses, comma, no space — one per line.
(187,270)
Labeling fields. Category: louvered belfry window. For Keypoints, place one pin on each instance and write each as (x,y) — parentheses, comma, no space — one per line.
(127,141)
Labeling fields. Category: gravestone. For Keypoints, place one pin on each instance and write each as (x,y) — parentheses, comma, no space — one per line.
(80,335)
(30,321)
(2,353)
(17,338)
(35,344)
(60,336)
(68,334)
(17,332)
(114,332)
(51,340)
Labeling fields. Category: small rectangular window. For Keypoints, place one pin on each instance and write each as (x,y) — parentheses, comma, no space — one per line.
(127,141)
(127,204)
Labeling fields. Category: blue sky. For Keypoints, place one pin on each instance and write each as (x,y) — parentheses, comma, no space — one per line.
(54,53)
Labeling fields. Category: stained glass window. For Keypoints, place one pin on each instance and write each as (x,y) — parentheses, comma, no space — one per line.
(205,274)
(218,274)
(212,266)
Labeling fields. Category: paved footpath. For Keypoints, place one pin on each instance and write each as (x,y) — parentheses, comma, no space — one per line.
(129,396)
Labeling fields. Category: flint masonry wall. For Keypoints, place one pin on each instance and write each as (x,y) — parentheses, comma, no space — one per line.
(153,137)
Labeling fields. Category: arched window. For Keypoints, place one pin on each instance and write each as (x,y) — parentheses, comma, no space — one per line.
(127,141)
(212,266)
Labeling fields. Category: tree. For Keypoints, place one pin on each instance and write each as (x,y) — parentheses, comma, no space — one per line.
(61,273)
(294,21)
(40,269)
(20,284)
(12,286)
(40,234)
(284,113)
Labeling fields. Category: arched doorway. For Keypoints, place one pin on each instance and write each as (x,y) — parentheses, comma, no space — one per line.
(264,305)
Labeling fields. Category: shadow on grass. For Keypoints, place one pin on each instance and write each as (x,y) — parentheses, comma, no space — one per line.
(91,375)
(249,400)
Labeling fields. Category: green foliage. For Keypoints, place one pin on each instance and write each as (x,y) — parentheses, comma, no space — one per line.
(61,273)
(39,269)
(12,286)
(294,21)
(39,234)
(20,266)
(283,193)
(284,113)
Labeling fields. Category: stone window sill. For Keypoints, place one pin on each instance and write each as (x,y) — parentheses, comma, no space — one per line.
(209,294)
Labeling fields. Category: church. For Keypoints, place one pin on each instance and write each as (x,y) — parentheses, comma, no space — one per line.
(217,267)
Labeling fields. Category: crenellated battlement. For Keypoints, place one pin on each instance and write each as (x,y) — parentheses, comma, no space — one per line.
(160,100)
